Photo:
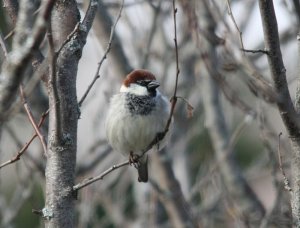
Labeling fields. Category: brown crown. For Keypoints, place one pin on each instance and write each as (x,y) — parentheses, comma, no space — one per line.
(137,75)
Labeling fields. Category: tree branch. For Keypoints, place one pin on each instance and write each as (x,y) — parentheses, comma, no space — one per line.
(32,121)
(285,106)
(14,68)
(97,74)
(91,180)
(25,147)
(277,68)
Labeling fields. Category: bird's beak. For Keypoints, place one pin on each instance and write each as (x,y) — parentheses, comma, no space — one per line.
(153,85)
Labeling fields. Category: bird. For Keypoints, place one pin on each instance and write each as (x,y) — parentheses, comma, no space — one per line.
(136,116)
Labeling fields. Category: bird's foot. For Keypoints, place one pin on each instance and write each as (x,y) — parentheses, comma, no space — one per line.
(134,160)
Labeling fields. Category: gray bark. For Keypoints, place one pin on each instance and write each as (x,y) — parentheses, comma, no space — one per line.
(285,105)
(26,41)
(64,113)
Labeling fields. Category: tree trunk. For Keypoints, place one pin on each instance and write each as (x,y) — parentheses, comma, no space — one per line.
(63,118)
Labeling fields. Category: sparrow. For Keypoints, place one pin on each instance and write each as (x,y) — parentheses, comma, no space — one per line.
(136,115)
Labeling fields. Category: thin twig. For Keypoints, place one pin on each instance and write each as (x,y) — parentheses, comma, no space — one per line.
(176,52)
(25,147)
(174,98)
(97,74)
(13,69)
(235,24)
(3,45)
(231,144)
(160,136)
(285,179)
(255,51)
(32,121)
(151,33)
(91,180)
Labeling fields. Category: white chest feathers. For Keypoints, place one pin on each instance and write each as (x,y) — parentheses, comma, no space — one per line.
(134,121)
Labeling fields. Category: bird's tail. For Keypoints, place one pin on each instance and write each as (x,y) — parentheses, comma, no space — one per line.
(143,169)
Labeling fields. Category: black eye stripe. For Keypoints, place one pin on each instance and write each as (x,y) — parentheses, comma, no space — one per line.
(143,82)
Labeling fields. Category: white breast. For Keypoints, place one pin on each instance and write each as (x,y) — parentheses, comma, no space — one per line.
(133,133)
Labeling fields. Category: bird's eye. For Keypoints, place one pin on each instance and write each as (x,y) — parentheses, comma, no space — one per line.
(143,83)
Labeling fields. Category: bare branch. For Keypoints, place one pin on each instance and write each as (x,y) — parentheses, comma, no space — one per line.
(255,51)
(12,7)
(278,71)
(25,147)
(91,180)
(151,34)
(285,105)
(235,24)
(160,136)
(176,56)
(97,74)
(3,45)
(17,60)
(32,121)
(102,29)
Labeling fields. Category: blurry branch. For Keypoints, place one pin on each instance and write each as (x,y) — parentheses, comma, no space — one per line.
(91,180)
(256,83)
(25,147)
(272,216)
(228,151)
(102,28)
(285,105)
(97,74)
(12,8)
(297,9)
(160,136)
(253,79)
(20,196)
(228,92)
(32,121)
(170,193)
(84,168)
(13,68)
(146,50)
(37,162)
(239,189)
(297,97)
(11,33)
(235,24)
(255,51)
(3,45)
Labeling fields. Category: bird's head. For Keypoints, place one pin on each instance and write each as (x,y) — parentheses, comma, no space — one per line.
(141,83)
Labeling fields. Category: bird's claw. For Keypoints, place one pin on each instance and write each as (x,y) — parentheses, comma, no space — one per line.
(134,160)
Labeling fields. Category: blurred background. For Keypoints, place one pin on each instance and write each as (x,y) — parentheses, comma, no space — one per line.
(221,166)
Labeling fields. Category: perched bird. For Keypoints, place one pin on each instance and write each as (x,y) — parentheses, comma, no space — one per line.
(136,115)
